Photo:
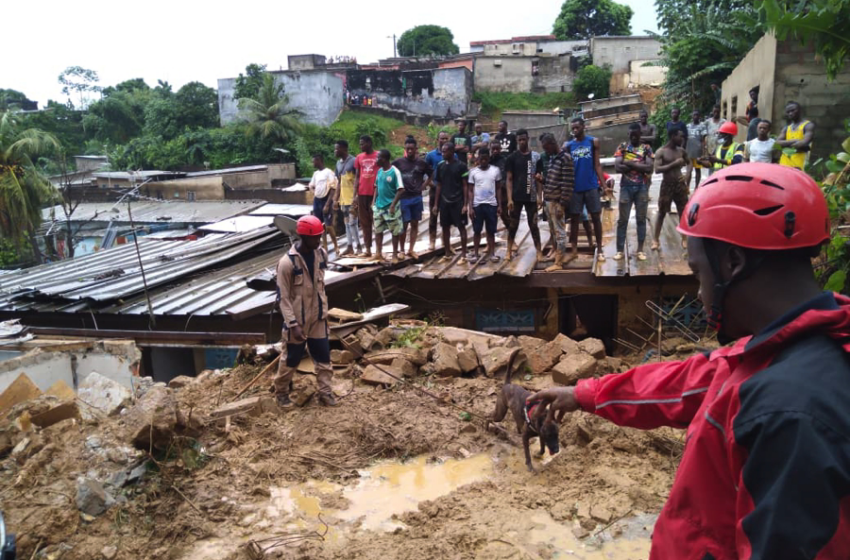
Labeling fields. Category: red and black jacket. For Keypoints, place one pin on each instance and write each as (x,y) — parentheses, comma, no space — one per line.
(766,469)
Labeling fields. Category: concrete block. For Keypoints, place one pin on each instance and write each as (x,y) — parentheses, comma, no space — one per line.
(574,367)
(181,381)
(374,376)
(103,395)
(414,355)
(405,367)
(342,357)
(468,360)
(567,344)
(153,420)
(445,361)
(544,357)
(593,346)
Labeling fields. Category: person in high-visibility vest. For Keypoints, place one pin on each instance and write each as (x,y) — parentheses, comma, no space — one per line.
(728,152)
(798,135)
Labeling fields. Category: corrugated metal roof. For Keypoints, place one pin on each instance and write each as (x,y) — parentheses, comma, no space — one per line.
(156,212)
(227,171)
(128,175)
(293,210)
(114,274)
(239,224)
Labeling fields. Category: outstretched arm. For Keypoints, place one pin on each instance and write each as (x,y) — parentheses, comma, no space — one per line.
(646,397)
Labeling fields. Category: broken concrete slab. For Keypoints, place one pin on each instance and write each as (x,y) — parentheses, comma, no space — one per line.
(92,498)
(342,357)
(405,367)
(374,376)
(252,405)
(366,336)
(102,394)
(593,346)
(468,361)
(181,381)
(454,335)
(444,361)
(413,355)
(21,390)
(63,411)
(567,344)
(573,367)
(153,420)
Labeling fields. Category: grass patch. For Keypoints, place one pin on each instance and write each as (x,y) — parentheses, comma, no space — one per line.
(494,103)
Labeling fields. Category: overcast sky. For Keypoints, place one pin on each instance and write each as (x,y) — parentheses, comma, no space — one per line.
(182,41)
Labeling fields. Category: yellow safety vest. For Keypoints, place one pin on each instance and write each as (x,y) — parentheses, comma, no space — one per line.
(799,159)
(730,153)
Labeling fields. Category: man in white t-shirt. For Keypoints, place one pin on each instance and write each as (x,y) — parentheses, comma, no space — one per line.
(762,148)
(484,203)
(712,126)
(323,183)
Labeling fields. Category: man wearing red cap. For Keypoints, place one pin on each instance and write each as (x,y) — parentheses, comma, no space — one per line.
(765,471)
(304,306)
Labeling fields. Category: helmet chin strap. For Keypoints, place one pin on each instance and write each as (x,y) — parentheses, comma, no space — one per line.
(720,289)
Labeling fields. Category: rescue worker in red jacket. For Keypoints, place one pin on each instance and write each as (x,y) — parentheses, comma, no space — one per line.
(304,306)
(766,469)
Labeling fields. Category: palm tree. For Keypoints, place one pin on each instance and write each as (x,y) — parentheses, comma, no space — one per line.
(268,114)
(23,188)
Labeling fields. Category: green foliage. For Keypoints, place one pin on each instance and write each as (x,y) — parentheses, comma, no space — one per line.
(583,19)
(268,114)
(65,124)
(426,40)
(704,41)
(13,99)
(493,103)
(410,337)
(10,256)
(836,188)
(248,84)
(659,118)
(592,80)
(825,23)
(23,187)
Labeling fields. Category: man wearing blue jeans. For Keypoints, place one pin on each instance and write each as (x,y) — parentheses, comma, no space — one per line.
(584,151)
(416,177)
(634,159)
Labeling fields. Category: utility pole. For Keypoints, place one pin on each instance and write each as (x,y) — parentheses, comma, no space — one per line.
(395,53)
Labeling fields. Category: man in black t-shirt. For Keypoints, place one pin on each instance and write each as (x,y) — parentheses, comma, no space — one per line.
(506,139)
(676,124)
(451,196)
(523,168)
(416,177)
(462,141)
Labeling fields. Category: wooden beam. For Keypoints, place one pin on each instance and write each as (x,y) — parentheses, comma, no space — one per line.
(212,338)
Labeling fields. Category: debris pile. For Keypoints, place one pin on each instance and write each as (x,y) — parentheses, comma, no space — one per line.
(171,471)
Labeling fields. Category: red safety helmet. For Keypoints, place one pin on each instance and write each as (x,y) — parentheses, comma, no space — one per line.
(758,206)
(729,127)
(309,225)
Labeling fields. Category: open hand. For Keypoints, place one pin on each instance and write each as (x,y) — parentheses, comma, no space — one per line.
(560,399)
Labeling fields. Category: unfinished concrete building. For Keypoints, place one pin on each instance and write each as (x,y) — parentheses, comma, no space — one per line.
(786,71)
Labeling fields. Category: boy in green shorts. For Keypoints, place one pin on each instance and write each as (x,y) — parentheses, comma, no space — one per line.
(385,207)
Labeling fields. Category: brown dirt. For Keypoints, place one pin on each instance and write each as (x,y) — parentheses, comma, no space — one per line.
(175,509)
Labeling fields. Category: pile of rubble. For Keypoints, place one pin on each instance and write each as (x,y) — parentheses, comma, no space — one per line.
(406,350)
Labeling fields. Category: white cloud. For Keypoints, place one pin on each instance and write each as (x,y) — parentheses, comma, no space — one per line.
(182,41)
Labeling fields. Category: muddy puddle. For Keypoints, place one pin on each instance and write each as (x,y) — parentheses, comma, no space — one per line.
(386,491)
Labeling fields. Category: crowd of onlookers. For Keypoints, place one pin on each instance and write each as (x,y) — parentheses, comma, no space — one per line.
(482,177)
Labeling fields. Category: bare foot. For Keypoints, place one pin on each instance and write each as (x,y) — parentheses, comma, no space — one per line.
(539,256)
(412,255)
(654,246)
(348,252)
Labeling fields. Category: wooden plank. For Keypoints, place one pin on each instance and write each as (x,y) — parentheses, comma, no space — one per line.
(61,390)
